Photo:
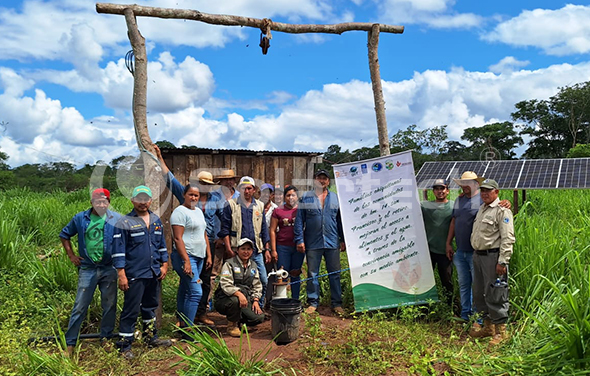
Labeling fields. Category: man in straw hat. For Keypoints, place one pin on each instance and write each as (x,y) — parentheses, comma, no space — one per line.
(227,180)
(492,239)
(464,212)
(210,204)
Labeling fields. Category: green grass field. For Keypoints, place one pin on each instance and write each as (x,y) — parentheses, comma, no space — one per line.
(550,301)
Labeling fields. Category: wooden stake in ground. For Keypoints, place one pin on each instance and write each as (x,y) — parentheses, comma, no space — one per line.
(265,25)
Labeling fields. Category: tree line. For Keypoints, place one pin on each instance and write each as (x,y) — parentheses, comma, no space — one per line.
(558,127)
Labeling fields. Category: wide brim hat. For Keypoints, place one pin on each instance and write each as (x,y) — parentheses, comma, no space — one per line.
(205,177)
(467,177)
(226,174)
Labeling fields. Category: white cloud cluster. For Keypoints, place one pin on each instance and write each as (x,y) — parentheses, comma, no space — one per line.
(337,114)
(72,31)
(560,32)
(434,13)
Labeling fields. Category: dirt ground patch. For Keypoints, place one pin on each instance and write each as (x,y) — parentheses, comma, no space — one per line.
(287,356)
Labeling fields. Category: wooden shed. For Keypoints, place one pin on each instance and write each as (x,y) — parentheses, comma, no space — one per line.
(273,167)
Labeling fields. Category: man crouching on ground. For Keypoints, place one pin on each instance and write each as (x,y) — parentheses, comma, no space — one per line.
(240,290)
(141,259)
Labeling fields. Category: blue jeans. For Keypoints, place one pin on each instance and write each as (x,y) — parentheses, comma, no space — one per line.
(105,277)
(189,289)
(314,258)
(290,259)
(258,258)
(464,263)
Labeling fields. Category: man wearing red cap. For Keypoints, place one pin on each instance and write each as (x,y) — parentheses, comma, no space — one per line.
(95,229)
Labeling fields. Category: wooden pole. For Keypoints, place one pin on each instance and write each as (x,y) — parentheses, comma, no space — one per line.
(373,46)
(229,20)
(515,197)
(144,142)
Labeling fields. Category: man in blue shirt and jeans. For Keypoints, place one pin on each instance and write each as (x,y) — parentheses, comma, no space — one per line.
(318,233)
(95,228)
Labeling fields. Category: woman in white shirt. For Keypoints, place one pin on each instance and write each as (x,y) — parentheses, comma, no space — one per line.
(190,253)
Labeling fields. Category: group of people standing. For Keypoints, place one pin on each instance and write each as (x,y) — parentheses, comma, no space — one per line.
(483,229)
(219,234)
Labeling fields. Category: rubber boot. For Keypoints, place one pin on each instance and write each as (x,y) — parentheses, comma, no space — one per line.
(150,336)
(486,331)
(233,329)
(500,335)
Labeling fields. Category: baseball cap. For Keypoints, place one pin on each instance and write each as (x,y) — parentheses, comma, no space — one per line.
(141,189)
(99,193)
(267,186)
(321,172)
(489,184)
(440,183)
(247,180)
(243,241)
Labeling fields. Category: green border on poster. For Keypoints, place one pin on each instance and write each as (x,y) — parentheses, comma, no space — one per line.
(370,297)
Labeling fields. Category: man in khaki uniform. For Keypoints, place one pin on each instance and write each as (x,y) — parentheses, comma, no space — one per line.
(492,240)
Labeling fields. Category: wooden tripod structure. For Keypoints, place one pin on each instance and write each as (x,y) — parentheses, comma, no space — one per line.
(265,25)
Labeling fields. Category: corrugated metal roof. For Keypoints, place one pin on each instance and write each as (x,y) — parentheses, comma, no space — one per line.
(181,151)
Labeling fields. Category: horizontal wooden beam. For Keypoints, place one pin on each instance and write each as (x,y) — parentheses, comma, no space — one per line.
(229,20)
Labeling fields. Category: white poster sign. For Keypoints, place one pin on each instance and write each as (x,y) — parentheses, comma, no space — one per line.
(384,232)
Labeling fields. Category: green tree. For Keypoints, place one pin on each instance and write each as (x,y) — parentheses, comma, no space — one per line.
(165,144)
(579,151)
(500,137)
(556,125)
(7,180)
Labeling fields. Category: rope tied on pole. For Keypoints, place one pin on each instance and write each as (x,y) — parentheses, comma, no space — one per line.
(265,35)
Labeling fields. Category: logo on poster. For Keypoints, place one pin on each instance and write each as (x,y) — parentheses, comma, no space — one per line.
(377,166)
(354,171)
(389,164)
(364,168)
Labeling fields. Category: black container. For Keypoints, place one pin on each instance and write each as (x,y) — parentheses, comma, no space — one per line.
(285,319)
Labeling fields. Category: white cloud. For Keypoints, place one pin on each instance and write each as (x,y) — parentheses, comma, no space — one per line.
(73,31)
(336,114)
(434,13)
(171,86)
(564,31)
(508,64)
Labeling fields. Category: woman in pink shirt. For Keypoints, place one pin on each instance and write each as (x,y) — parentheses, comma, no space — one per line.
(282,243)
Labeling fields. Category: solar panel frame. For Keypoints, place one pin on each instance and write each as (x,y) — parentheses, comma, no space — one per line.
(513,174)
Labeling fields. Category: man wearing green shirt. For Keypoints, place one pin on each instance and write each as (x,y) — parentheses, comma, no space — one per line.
(437,216)
(94,228)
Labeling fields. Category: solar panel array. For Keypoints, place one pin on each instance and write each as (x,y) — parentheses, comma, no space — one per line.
(517,174)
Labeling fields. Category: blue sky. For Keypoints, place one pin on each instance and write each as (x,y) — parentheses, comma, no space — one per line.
(65,94)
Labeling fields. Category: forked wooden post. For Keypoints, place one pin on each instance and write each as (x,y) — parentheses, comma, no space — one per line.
(373,46)
(266,25)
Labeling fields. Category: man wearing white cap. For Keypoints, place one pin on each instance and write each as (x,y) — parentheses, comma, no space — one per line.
(243,217)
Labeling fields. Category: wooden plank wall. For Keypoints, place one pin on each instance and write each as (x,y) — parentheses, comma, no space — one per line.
(275,170)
